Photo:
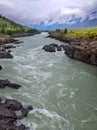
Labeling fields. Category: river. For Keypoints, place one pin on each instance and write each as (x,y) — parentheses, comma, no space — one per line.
(62,91)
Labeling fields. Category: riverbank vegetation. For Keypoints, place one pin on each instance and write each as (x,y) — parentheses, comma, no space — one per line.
(9,27)
(88,35)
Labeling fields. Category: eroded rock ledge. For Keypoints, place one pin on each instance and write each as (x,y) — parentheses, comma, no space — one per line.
(86,52)
(11,111)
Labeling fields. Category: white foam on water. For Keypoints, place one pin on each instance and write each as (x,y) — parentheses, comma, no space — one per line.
(50,65)
(95,108)
(52,118)
(87,120)
(28,95)
(32,125)
(61,93)
(74,107)
(41,75)
(72,94)
(74,76)
(50,114)
(60,84)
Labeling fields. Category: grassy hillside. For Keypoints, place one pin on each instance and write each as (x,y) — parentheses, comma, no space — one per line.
(8,27)
(88,35)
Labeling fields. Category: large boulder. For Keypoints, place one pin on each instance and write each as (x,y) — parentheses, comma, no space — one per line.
(53,47)
(50,48)
(5,54)
(9,114)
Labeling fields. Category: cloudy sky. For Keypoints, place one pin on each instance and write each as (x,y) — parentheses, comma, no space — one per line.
(34,11)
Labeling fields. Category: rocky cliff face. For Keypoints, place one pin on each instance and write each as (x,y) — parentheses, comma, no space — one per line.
(84,53)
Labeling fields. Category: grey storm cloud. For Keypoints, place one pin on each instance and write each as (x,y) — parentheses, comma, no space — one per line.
(35,11)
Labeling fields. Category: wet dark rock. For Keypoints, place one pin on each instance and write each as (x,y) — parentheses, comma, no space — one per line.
(9,51)
(52,47)
(29,108)
(7,83)
(62,47)
(22,127)
(0,67)
(13,104)
(79,53)
(49,48)
(9,46)
(69,51)
(8,116)
(14,85)
(7,113)
(5,54)
(17,42)
(24,112)
(58,48)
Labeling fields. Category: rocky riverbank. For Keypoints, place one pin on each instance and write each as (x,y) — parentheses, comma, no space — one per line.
(6,39)
(60,38)
(10,110)
(86,52)
(7,43)
(79,49)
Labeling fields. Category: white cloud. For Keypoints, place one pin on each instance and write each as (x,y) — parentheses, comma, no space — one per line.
(35,11)
(7,3)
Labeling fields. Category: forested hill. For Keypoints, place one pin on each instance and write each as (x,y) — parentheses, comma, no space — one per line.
(9,27)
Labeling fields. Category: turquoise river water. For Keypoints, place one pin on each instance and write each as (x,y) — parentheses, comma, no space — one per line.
(62,91)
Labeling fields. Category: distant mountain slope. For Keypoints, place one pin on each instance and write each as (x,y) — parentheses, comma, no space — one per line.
(73,22)
(9,27)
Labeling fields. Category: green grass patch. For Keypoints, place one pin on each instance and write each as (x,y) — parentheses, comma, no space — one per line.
(8,27)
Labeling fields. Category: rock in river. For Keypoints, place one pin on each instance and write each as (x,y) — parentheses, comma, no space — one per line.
(53,47)
(5,54)
(7,83)
(0,67)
